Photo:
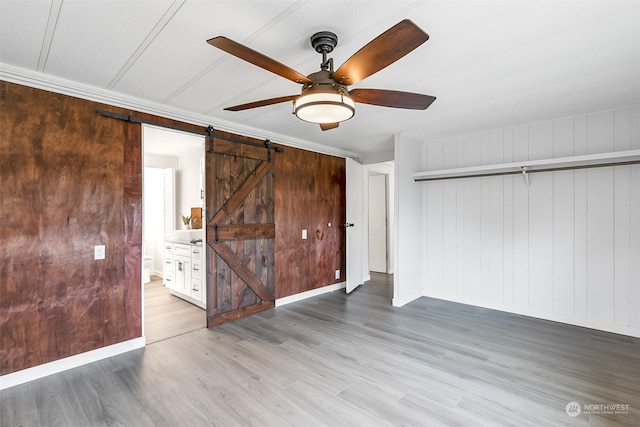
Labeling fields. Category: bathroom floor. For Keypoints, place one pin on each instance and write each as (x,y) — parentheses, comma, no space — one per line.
(167,316)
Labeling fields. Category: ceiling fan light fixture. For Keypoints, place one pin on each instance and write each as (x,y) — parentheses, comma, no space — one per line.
(320,104)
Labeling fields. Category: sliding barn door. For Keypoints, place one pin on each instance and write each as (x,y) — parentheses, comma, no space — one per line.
(240,230)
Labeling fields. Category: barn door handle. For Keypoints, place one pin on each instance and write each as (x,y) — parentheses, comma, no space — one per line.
(348,224)
(217,233)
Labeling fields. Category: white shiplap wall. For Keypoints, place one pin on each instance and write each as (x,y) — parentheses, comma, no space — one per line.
(565,248)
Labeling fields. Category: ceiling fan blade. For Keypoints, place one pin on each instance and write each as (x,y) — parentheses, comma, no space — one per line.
(256,58)
(327,126)
(262,103)
(380,52)
(392,98)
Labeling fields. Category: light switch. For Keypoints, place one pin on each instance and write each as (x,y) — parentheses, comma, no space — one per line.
(304,234)
(99,252)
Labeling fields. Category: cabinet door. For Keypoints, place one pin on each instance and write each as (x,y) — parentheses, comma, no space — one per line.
(182,275)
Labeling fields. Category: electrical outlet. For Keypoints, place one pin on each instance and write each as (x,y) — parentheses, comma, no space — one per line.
(304,234)
(99,252)
(337,274)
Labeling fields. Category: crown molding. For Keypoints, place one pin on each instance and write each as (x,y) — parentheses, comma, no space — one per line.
(22,76)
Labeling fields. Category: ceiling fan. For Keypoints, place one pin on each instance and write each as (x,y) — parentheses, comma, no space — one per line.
(325,98)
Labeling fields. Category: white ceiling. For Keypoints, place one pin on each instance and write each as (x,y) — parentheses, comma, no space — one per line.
(490,64)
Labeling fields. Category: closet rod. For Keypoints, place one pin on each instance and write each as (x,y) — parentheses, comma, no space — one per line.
(525,170)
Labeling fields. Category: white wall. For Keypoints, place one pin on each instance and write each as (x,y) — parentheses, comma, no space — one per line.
(188,184)
(153,202)
(152,208)
(566,248)
(409,277)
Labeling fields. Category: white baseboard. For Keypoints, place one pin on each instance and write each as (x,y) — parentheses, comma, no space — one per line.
(554,317)
(44,370)
(308,294)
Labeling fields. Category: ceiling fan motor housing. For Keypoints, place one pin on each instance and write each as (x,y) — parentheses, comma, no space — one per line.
(324,41)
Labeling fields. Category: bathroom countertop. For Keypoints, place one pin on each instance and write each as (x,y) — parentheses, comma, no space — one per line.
(183,242)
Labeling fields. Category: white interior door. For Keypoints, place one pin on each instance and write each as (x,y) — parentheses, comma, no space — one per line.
(355,224)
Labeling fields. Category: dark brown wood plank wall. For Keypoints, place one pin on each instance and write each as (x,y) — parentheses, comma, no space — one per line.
(69,179)
(310,194)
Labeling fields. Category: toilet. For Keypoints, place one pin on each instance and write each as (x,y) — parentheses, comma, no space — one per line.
(147,266)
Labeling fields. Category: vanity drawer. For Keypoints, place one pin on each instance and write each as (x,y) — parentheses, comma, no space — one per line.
(168,279)
(196,268)
(196,290)
(184,250)
(196,251)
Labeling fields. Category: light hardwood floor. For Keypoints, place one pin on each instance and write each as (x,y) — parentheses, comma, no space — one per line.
(348,360)
(167,316)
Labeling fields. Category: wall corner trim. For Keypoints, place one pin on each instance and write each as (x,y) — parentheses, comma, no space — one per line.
(46,369)
(399,302)
(308,294)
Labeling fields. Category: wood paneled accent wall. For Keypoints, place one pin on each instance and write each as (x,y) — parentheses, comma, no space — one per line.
(310,194)
(71,179)
(65,188)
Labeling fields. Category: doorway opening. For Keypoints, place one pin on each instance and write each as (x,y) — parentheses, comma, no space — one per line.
(381,217)
(173,278)
(380,221)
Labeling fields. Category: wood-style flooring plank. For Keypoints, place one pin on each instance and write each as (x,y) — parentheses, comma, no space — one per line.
(167,316)
(349,360)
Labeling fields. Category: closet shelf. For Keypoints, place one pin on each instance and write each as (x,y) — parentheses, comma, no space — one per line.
(616,158)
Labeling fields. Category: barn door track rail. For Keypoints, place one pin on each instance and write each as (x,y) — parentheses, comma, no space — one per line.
(209,132)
